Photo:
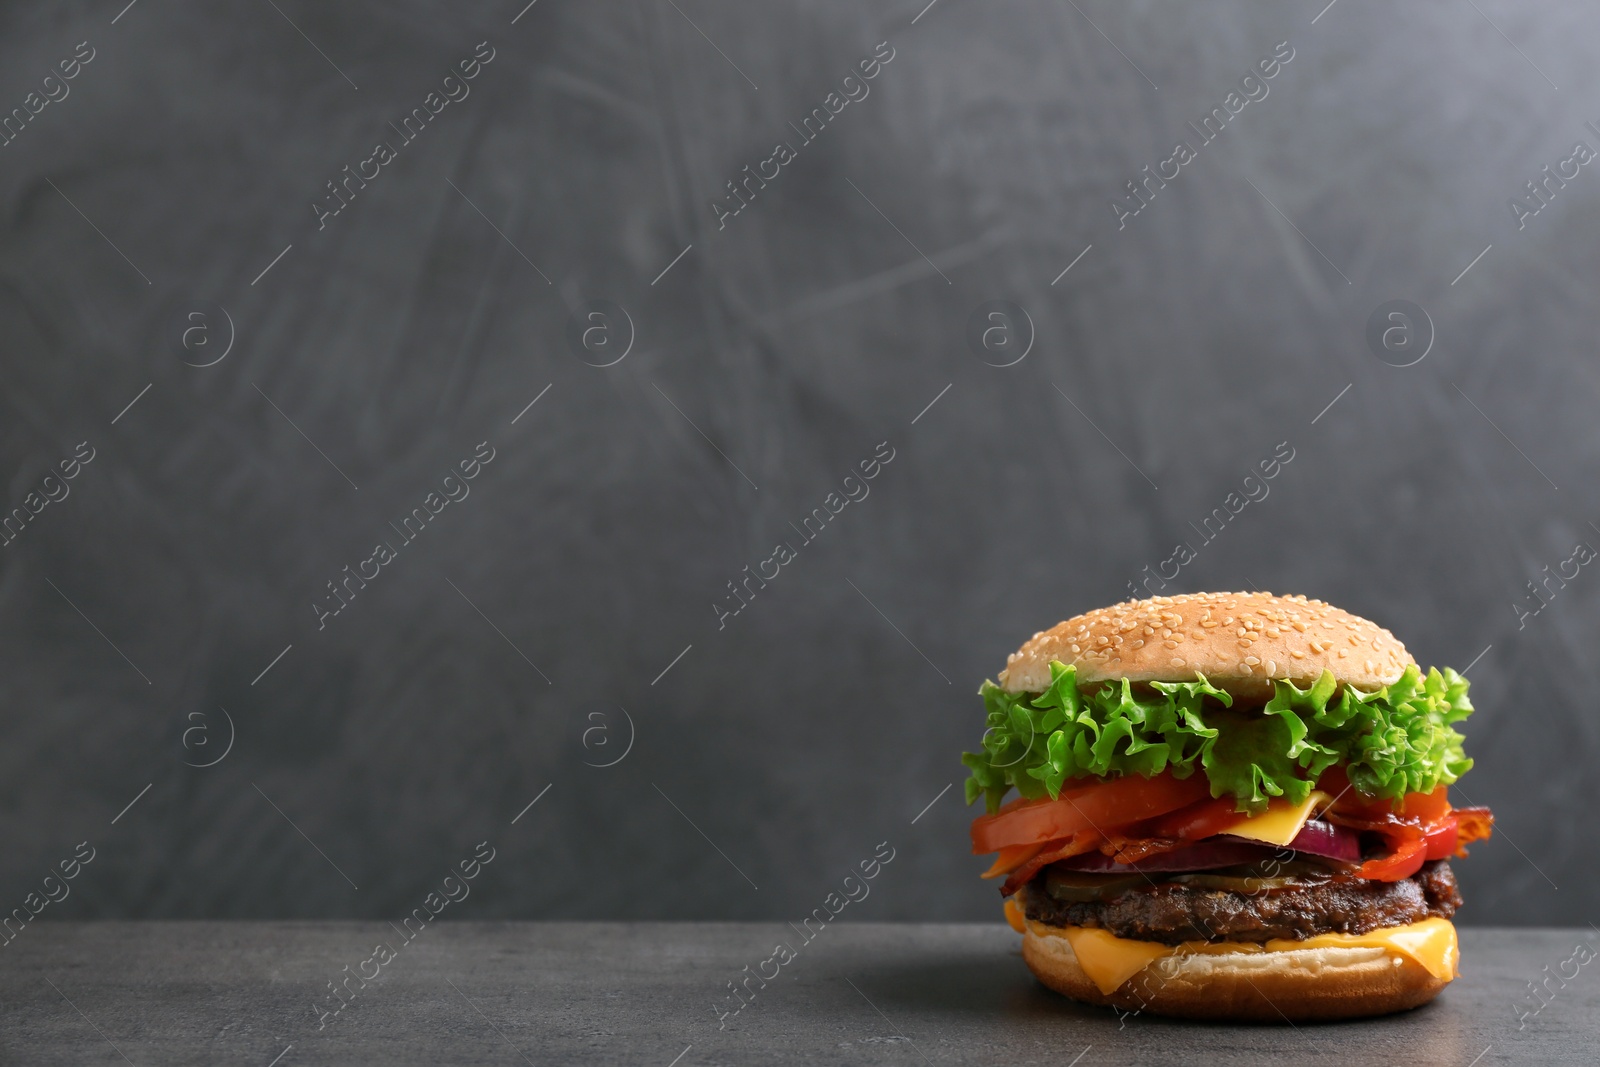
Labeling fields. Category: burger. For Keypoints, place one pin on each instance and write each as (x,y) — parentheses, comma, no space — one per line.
(1229,806)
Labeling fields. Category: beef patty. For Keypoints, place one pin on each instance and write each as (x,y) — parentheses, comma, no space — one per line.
(1172,913)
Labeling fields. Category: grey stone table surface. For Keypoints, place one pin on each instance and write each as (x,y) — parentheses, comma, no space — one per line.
(858,993)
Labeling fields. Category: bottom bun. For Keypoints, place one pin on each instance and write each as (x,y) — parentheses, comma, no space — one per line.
(1294,985)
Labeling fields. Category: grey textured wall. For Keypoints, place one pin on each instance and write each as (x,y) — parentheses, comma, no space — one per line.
(491,659)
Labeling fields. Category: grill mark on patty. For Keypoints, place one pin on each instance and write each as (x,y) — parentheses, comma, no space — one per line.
(1172,913)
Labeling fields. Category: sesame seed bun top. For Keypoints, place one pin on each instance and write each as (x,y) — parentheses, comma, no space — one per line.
(1241,642)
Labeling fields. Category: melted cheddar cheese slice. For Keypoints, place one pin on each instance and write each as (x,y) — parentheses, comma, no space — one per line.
(1109,961)
(1280,823)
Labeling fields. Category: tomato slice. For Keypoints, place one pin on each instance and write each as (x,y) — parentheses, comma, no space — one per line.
(1427,808)
(1425,828)
(1440,840)
(1099,806)
(1204,819)
(1417,828)
(1013,804)
(1348,799)
(1403,862)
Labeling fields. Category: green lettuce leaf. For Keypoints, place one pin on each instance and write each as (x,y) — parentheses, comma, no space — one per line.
(1391,742)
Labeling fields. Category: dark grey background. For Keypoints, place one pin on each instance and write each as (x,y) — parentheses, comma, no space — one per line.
(829,713)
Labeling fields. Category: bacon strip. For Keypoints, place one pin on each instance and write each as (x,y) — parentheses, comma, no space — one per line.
(1083,841)
(1133,849)
(1472,824)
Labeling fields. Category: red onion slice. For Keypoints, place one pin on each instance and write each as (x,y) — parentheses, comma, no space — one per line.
(1316,838)
(1214,852)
